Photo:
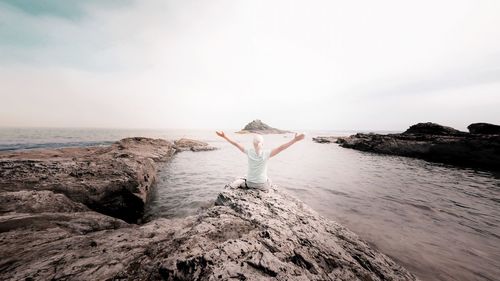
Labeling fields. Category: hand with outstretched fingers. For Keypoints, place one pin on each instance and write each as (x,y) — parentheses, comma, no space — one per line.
(220,134)
(298,137)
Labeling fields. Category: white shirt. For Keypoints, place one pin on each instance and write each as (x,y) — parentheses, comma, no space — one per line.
(257,165)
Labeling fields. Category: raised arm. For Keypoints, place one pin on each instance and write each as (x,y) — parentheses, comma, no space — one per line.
(223,135)
(297,138)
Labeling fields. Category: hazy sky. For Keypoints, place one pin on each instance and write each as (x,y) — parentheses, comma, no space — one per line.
(220,64)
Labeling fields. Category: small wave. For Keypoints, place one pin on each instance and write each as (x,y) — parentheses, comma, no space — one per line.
(460,205)
(407,202)
(19,146)
(497,200)
(335,192)
(422,207)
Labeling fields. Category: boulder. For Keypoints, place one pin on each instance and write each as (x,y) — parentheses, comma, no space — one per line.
(431,129)
(484,129)
(184,144)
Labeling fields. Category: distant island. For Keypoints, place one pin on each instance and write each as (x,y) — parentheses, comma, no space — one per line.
(259,127)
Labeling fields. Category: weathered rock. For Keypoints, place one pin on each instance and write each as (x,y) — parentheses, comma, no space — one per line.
(325,139)
(247,235)
(192,145)
(115,180)
(484,129)
(259,127)
(440,145)
(431,129)
(43,201)
(48,232)
(31,224)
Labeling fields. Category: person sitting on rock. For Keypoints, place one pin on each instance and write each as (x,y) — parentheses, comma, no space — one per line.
(257,161)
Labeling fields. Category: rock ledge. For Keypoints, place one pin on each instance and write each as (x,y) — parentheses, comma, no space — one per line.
(247,235)
(115,180)
(433,142)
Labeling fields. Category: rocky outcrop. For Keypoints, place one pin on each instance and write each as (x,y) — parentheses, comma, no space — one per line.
(114,180)
(192,145)
(56,224)
(431,129)
(259,127)
(247,235)
(430,142)
(325,139)
(484,129)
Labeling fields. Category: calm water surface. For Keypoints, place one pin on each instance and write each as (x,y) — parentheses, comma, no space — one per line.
(441,222)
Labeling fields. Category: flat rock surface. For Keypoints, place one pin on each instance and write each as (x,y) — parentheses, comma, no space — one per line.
(184,144)
(26,201)
(247,235)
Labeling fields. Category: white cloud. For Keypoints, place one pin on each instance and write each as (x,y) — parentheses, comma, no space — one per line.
(294,64)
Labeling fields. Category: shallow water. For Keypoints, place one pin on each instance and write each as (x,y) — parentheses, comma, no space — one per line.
(441,222)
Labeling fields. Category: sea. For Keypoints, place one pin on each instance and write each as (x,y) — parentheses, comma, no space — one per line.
(439,221)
